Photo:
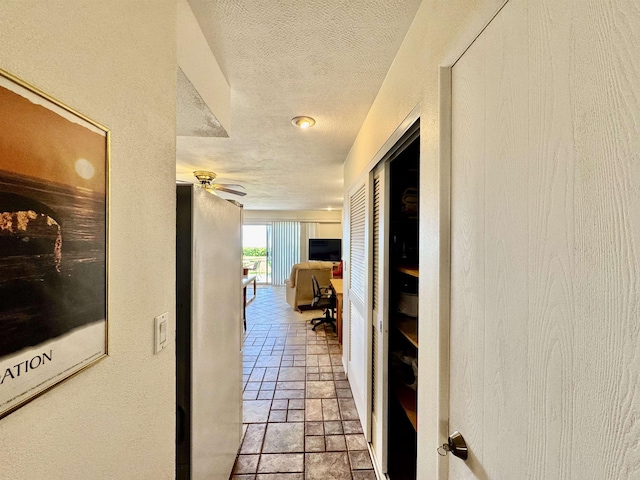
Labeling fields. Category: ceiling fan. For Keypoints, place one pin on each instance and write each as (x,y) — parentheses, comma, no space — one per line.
(206,179)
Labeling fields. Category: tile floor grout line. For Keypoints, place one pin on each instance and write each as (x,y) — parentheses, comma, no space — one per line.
(273,339)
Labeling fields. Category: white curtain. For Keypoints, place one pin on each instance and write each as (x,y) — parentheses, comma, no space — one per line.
(285,249)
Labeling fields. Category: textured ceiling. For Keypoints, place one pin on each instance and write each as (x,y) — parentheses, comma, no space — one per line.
(326,59)
(193,116)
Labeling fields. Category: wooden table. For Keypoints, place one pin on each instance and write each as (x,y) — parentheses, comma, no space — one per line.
(336,285)
(246,280)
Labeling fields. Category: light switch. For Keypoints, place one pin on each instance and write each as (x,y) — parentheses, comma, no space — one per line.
(160,328)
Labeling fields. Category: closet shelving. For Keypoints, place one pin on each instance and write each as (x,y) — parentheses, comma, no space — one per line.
(403,314)
(407,326)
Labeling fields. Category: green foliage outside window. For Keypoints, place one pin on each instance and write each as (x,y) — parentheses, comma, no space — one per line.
(254,252)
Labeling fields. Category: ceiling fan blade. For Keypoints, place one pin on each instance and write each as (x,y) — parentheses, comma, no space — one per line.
(228,190)
(229,184)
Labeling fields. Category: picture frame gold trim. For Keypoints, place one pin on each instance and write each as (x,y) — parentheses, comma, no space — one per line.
(74,317)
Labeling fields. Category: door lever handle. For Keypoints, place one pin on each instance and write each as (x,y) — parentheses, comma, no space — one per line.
(456,445)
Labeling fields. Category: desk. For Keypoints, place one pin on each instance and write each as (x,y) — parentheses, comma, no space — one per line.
(336,285)
(246,280)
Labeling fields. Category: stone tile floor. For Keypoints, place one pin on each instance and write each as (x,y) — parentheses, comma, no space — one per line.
(300,420)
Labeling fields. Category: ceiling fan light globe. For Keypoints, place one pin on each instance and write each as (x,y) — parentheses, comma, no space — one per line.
(206,179)
(205,176)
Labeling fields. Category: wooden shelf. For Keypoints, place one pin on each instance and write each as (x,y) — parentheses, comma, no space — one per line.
(407,326)
(409,270)
(407,399)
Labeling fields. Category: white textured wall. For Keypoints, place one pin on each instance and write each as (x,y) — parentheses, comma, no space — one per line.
(439,33)
(329,230)
(261,216)
(114,61)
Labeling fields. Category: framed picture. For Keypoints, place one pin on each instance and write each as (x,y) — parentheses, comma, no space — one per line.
(54,165)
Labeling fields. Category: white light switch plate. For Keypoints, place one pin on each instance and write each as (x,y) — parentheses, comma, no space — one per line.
(161,327)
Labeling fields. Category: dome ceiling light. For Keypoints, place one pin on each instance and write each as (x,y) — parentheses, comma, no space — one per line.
(303,122)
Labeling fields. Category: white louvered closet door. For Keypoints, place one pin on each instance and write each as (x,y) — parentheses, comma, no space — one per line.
(379,326)
(358,303)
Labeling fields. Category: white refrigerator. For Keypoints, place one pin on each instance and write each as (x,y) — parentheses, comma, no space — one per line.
(208,334)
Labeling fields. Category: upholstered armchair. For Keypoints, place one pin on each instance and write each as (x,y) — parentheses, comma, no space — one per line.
(299,289)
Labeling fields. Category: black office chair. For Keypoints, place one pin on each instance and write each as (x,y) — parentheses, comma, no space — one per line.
(323,298)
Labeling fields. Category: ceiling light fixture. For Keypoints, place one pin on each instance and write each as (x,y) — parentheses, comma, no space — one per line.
(303,122)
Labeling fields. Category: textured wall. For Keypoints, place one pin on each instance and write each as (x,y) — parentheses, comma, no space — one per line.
(114,61)
(329,230)
(262,216)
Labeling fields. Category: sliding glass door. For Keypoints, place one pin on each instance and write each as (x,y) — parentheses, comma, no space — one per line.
(271,249)
(256,251)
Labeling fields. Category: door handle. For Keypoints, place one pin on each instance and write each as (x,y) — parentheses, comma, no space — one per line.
(456,445)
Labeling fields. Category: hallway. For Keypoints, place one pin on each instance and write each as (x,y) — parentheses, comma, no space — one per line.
(299,416)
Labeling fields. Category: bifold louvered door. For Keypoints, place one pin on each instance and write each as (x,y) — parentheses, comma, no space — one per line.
(379,327)
(358,302)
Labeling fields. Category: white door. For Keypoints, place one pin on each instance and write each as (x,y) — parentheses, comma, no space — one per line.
(545,212)
(380,326)
(358,303)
